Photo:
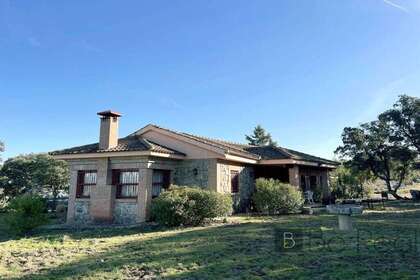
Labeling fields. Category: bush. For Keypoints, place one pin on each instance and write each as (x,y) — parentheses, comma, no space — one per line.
(61,211)
(348,183)
(189,206)
(25,213)
(275,197)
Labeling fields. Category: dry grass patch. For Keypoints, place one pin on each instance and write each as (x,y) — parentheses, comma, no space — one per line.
(242,249)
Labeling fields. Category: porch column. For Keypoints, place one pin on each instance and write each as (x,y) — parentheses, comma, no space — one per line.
(103,194)
(326,192)
(144,199)
(294,179)
(72,196)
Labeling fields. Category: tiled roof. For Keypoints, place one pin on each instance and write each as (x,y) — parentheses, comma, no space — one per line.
(232,147)
(268,152)
(135,142)
(255,152)
(126,144)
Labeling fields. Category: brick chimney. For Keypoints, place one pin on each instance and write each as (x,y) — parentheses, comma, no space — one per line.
(108,135)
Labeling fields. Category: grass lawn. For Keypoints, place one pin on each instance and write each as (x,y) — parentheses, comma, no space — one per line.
(244,248)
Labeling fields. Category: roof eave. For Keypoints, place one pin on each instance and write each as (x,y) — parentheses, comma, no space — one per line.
(116,154)
(297,162)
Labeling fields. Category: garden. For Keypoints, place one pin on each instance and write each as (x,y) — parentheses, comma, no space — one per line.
(241,247)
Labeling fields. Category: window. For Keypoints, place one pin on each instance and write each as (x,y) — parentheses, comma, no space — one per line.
(234,181)
(127,182)
(161,181)
(85,180)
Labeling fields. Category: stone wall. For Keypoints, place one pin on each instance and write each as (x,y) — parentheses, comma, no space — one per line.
(246,188)
(125,212)
(195,172)
(82,212)
(241,200)
(224,178)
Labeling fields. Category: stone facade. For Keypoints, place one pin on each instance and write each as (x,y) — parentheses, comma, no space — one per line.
(241,200)
(196,172)
(125,212)
(246,188)
(224,178)
(211,174)
(82,212)
(102,206)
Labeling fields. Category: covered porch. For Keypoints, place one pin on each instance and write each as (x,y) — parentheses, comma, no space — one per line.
(306,178)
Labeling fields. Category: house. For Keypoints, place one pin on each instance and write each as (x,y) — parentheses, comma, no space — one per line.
(116,179)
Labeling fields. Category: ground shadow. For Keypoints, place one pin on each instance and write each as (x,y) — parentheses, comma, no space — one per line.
(240,251)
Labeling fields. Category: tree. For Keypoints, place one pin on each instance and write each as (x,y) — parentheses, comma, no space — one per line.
(260,138)
(348,182)
(52,175)
(1,149)
(404,120)
(33,173)
(17,176)
(372,147)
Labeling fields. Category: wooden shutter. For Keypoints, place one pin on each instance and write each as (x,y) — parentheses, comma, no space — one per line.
(116,181)
(80,182)
(166,179)
(234,181)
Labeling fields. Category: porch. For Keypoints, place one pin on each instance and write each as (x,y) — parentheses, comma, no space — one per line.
(307,178)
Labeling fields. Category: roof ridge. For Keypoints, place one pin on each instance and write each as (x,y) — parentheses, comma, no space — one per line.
(217,140)
(224,144)
(221,140)
(233,146)
(306,154)
(146,142)
(284,150)
(204,140)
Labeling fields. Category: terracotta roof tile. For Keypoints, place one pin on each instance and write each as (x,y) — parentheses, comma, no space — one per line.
(134,142)
(255,152)
(129,143)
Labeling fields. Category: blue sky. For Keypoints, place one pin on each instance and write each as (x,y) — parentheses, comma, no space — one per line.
(302,69)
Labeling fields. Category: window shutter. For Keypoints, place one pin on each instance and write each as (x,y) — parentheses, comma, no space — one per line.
(115,176)
(116,181)
(234,181)
(80,182)
(166,179)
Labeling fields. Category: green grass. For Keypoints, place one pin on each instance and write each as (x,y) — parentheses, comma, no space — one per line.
(244,248)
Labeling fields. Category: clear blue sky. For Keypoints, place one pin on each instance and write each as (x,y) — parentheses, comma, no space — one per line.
(302,69)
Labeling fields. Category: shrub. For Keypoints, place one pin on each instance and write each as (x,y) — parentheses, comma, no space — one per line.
(61,211)
(25,213)
(189,206)
(274,197)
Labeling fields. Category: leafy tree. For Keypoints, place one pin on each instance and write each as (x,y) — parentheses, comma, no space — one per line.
(32,174)
(404,120)
(17,175)
(348,182)
(52,175)
(371,147)
(1,149)
(260,137)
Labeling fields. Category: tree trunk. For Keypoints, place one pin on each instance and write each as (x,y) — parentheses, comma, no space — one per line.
(54,202)
(394,194)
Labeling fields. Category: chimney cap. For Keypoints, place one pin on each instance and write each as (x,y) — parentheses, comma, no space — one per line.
(109,113)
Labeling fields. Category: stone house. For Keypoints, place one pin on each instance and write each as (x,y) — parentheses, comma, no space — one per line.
(115,180)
